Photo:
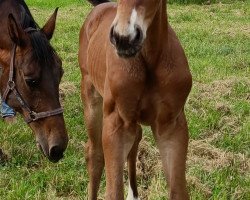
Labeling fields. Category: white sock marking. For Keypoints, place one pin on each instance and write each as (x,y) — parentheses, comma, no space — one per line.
(130,194)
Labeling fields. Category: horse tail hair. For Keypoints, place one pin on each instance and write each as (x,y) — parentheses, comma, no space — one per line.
(97,2)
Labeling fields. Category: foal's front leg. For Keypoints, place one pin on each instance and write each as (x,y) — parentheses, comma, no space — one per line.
(118,139)
(132,157)
(172,140)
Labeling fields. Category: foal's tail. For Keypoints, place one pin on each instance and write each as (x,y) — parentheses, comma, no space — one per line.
(97,2)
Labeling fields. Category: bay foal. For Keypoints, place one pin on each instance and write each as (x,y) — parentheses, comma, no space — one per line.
(134,71)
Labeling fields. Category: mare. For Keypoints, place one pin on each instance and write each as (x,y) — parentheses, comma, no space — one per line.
(134,72)
(32,71)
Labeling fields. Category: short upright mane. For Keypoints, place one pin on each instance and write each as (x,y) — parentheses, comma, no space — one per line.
(97,2)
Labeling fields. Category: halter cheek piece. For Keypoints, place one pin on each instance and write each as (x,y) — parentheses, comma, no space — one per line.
(11,87)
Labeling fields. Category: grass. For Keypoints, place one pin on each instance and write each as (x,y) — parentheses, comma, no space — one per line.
(216,39)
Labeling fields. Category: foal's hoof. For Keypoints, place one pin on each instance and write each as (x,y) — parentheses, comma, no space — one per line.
(3,158)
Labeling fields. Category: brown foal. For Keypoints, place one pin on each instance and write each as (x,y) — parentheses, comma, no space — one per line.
(134,71)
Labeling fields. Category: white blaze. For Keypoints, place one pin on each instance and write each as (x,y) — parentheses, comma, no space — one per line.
(131,27)
(127,29)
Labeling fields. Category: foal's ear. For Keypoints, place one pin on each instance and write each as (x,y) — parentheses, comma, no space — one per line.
(16,32)
(50,25)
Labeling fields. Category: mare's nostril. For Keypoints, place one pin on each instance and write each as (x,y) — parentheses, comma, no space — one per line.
(55,153)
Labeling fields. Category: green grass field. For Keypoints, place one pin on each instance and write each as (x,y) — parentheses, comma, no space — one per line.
(216,39)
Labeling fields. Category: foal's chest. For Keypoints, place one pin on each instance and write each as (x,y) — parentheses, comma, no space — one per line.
(140,94)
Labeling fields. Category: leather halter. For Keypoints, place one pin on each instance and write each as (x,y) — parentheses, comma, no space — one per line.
(11,87)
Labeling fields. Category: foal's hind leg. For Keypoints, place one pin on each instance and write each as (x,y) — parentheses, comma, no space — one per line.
(172,140)
(94,154)
(133,192)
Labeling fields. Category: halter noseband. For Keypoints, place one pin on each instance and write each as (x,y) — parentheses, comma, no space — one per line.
(11,87)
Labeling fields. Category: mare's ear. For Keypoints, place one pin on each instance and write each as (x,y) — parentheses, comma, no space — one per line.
(50,25)
(16,32)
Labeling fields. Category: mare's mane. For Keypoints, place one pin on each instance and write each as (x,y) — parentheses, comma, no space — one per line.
(42,50)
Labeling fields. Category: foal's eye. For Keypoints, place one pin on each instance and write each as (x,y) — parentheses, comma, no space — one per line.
(32,82)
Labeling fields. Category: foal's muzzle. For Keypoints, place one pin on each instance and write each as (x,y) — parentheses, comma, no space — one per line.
(126,46)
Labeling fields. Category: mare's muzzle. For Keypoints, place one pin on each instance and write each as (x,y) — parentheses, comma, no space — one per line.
(53,148)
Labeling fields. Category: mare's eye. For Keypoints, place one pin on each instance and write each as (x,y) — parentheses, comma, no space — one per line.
(32,82)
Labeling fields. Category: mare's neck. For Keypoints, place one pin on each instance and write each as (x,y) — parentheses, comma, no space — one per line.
(156,36)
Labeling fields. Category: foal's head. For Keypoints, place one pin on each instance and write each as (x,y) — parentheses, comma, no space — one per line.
(130,25)
(37,74)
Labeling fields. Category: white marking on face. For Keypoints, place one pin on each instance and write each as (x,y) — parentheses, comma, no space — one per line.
(125,28)
(130,194)
(131,27)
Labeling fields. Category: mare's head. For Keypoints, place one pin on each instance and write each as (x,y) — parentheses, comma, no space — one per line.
(130,25)
(37,74)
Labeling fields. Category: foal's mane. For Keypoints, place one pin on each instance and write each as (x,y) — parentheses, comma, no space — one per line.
(42,50)
(97,2)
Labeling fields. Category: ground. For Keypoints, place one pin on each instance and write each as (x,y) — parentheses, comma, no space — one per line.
(216,39)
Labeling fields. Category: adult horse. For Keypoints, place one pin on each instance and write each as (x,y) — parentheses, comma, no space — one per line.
(31,74)
(134,71)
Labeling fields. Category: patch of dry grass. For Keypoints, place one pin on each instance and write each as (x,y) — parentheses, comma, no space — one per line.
(67,89)
(201,154)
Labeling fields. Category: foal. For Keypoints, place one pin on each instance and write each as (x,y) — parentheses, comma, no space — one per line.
(134,71)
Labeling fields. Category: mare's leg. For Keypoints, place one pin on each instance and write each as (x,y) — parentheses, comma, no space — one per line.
(133,192)
(118,139)
(172,140)
(93,117)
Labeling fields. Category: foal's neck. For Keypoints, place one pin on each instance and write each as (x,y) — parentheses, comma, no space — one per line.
(156,36)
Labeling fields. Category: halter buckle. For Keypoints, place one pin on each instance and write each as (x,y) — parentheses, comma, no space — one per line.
(11,85)
(33,116)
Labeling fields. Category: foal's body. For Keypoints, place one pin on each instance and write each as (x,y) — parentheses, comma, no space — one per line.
(121,93)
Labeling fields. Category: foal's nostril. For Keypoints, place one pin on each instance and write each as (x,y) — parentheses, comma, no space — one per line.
(112,36)
(139,35)
(55,153)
